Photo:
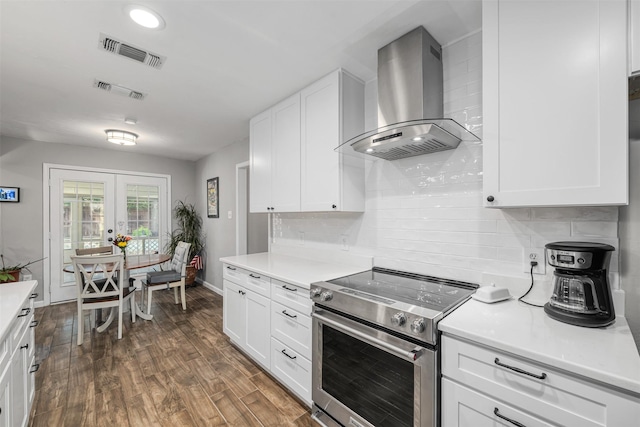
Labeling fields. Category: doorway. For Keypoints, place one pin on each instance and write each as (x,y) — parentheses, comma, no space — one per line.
(88,207)
(252,229)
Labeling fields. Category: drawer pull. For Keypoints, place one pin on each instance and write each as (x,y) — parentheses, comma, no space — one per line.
(24,347)
(33,296)
(34,368)
(242,292)
(290,357)
(514,422)
(285,287)
(293,316)
(34,323)
(231,268)
(25,312)
(254,276)
(520,371)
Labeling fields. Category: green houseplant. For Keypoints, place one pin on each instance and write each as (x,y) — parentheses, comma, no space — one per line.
(189,230)
(11,273)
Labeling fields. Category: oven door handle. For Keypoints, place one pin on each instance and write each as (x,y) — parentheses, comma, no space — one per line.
(411,355)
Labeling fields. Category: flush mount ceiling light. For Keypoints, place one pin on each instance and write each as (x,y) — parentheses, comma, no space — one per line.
(121,137)
(145,17)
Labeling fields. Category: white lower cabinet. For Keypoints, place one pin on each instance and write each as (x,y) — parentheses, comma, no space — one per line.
(246,317)
(17,357)
(271,321)
(482,386)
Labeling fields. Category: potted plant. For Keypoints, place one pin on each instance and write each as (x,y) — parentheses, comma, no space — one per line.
(11,273)
(189,230)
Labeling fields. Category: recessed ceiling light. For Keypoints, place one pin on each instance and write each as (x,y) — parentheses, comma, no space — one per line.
(145,17)
(369,150)
(417,138)
(121,137)
(130,121)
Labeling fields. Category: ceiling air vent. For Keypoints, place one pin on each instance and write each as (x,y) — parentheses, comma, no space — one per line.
(113,45)
(119,90)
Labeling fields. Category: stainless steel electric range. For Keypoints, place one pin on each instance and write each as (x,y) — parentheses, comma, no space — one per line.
(375,347)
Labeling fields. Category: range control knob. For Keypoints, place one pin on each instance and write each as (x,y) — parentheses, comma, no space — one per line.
(326,296)
(315,292)
(398,319)
(418,326)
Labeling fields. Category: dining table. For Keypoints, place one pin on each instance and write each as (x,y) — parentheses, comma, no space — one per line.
(132,262)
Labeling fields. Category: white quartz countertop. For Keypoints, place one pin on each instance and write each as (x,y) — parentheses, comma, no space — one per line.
(297,271)
(608,355)
(12,295)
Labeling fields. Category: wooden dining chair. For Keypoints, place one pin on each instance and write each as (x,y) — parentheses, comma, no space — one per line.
(101,250)
(110,290)
(174,277)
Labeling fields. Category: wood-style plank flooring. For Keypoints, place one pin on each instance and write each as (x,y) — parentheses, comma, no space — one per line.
(177,370)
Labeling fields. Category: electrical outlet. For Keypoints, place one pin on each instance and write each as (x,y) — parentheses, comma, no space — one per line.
(537,255)
(344,240)
(229,214)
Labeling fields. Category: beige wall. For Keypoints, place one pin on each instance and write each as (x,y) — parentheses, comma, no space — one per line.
(21,166)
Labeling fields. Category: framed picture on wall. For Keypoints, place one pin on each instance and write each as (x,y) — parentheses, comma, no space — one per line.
(213,209)
(9,194)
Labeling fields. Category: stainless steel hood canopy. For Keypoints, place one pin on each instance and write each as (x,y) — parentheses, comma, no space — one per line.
(410,103)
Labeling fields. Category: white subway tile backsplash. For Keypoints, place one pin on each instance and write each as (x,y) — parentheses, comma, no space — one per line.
(425,214)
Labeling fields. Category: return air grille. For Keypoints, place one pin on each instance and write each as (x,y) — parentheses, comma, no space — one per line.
(119,90)
(118,47)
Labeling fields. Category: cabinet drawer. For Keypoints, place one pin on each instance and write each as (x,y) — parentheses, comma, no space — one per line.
(558,396)
(258,283)
(21,322)
(292,328)
(292,296)
(235,274)
(462,406)
(5,351)
(292,369)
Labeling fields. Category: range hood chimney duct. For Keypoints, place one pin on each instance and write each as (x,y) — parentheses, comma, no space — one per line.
(410,102)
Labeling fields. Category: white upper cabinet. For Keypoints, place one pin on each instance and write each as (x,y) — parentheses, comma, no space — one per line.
(634,36)
(332,112)
(275,158)
(293,163)
(555,103)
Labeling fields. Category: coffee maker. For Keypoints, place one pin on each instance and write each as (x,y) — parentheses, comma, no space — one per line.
(581,292)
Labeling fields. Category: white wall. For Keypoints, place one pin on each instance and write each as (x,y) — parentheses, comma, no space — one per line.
(424,214)
(21,166)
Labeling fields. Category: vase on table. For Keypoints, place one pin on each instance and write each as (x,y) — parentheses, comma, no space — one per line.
(124,253)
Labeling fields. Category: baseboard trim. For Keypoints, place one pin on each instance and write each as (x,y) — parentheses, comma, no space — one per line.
(209,286)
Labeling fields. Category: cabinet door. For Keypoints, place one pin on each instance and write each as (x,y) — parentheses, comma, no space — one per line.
(634,36)
(260,162)
(320,128)
(555,103)
(285,161)
(234,312)
(19,374)
(5,397)
(258,329)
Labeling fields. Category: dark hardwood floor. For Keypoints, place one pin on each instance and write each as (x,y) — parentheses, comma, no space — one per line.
(177,370)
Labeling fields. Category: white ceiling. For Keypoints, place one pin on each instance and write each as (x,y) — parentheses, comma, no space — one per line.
(226,62)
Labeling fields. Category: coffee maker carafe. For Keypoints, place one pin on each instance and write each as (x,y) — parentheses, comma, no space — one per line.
(581,292)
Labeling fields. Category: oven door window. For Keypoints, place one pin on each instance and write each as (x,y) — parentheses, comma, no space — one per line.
(374,384)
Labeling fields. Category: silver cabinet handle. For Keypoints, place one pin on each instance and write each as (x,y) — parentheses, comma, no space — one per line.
(285,287)
(33,295)
(242,292)
(514,422)
(24,347)
(520,371)
(25,312)
(411,355)
(254,276)
(289,315)
(34,368)
(34,323)
(230,268)
(290,357)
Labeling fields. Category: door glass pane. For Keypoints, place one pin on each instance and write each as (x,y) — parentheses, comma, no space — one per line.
(373,383)
(143,219)
(82,218)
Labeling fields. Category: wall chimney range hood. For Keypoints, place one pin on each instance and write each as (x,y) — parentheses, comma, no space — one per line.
(410,103)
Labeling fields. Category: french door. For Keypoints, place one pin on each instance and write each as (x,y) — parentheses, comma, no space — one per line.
(87,209)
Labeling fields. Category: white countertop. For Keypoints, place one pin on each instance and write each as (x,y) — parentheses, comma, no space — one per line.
(608,355)
(12,295)
(297,271)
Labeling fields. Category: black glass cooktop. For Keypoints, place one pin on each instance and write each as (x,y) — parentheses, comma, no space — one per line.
(389,286)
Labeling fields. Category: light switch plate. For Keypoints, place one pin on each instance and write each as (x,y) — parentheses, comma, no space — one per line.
(230,214)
